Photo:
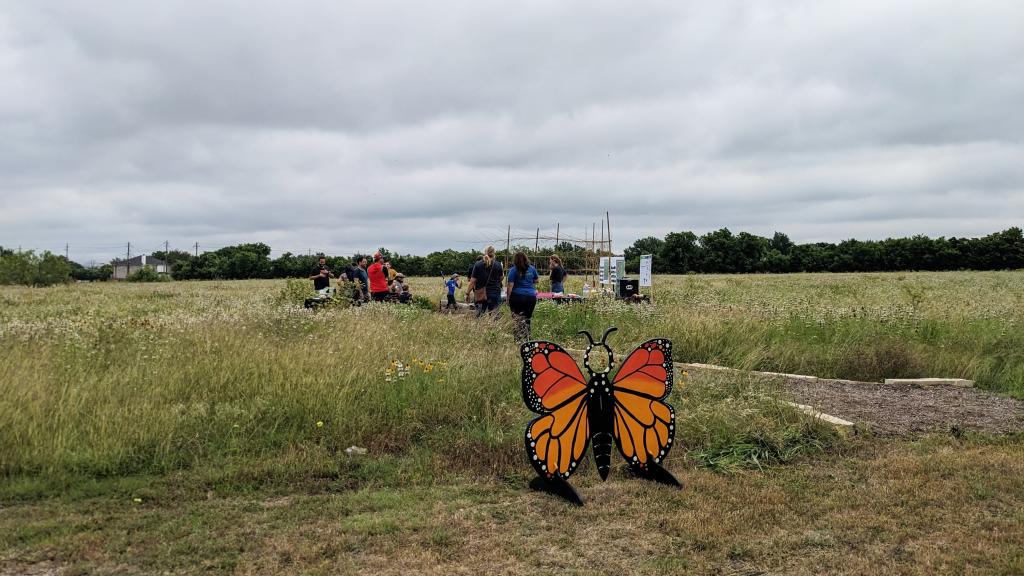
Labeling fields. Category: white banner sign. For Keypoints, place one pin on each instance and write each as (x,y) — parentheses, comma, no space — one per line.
(645,269)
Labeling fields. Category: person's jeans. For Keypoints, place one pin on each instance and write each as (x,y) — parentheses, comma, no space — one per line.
(492,302)
(451,301)
(522,307)
(557,287)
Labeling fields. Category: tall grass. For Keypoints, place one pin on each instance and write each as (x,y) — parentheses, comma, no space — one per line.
(114,380)
(854,326)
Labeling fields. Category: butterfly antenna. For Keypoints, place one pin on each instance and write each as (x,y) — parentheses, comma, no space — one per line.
(606,333)
(589,337)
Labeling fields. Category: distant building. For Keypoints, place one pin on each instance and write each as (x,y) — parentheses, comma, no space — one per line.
(122,268)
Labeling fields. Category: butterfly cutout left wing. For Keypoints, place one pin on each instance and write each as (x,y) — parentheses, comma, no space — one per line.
(554,387)
(644,425)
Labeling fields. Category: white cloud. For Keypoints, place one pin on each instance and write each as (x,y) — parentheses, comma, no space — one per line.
(345,126)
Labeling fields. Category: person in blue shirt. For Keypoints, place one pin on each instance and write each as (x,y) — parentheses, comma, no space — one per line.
(452,284)
(522,294)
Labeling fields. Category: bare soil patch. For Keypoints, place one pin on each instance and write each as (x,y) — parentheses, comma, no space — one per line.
(894,409)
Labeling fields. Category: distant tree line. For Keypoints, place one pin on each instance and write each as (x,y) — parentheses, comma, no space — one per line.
(722,251)
(254,261)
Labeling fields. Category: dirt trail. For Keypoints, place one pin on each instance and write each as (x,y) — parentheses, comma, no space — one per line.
(894,409)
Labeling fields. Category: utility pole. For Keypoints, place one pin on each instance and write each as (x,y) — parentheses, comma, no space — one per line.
(536,242)
(66,251)
(508,246)
(127,261)
(197,249)
(607,221)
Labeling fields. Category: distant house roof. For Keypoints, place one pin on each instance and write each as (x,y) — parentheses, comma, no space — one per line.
(141,260)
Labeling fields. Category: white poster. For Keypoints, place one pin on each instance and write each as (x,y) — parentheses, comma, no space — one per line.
(645,269)
(612,268)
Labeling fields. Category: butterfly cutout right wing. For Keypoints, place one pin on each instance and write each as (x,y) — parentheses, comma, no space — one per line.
(554,387)
(644,425)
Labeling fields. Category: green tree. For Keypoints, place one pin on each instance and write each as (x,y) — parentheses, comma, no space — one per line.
(752,251)
(648,245)
(680,253)
(17,268)
(781,243)
(174,258)
(31,269)
(722,252)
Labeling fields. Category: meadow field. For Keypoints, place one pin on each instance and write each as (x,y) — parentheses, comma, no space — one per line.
(191,427)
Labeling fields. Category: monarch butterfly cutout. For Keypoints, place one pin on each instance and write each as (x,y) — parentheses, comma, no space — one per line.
(575,411)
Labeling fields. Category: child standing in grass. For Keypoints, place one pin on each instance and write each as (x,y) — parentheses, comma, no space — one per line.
(452,284)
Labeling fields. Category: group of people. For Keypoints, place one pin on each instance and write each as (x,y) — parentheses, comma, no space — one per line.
(378,282)
(487,276)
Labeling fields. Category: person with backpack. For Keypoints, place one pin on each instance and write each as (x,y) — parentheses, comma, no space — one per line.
(485,283)
(522,294)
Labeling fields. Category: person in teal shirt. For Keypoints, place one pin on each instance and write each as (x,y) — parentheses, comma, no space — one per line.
(522,294)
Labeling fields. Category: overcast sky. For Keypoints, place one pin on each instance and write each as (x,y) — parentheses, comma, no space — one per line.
(344,126)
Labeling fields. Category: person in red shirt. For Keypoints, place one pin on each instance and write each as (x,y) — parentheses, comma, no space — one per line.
(378,281)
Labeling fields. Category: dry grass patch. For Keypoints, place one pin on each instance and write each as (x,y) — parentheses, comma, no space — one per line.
(936,505)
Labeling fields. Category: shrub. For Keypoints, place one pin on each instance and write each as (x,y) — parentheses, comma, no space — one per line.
(424,302)
(295,291)
(148,274)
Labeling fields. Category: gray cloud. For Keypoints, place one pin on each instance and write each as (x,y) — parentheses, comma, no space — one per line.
(345,126)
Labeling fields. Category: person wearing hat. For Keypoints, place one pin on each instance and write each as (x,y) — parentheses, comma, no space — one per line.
(452,284)
(398,284)
(378,281)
